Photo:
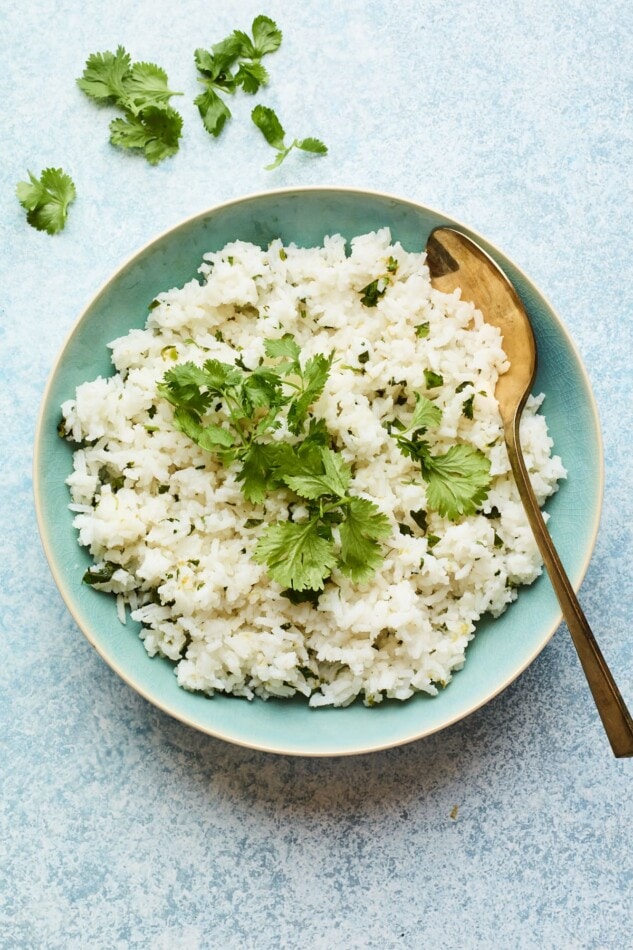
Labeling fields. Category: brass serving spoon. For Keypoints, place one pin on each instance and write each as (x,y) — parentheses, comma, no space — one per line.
(456,261)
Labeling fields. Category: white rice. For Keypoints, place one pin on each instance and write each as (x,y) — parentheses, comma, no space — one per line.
(184,553)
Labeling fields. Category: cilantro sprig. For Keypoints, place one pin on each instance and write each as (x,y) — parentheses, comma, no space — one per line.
(457,481)
(216,68)
(46,199)
(142,91)
(271,128)
(233,412)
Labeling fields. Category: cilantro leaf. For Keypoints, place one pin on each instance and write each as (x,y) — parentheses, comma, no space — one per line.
(314,376)
(458,481)
(212,436)
(286,346)
(106,74)
(217,375)
(182,384)
(256,473)
(250,76)
(269,125)
(155,131)
(425,415)
(215,66)
(263,388)
(46,200)
(330,476)
(187,422)
(364,526)
(296,555)
(147,86)
(311,145)
(213,111)
(432,379)
(266,38)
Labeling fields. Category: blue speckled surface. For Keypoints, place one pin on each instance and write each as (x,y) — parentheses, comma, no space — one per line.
(120,827)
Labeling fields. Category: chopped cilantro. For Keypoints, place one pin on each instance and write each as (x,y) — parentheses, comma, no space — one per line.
(371,294)
(422,330)
(116,480)
(100,575)
(420,519)
(302,596)
(467,408)
(253,522)
(433,380)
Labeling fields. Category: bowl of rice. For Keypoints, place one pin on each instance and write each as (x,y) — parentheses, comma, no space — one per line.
(272,486)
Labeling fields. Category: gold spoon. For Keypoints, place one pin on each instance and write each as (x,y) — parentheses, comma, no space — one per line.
(456,261)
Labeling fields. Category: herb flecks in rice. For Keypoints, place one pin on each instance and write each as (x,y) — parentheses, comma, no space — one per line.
(183,559)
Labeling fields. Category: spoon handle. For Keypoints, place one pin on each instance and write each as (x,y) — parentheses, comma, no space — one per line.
(616,718)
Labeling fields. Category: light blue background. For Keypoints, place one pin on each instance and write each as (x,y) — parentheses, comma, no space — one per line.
(122,828)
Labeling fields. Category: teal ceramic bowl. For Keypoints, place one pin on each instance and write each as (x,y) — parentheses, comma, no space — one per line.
(502,648)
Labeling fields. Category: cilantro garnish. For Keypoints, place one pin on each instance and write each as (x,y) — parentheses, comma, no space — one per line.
(141,90)
(467,408)
(392,265)
(271,128)
(420,519)
(371,294)
(432,379)
(457,481)
(100,575)
(215,68)
(233,412)
(46,199)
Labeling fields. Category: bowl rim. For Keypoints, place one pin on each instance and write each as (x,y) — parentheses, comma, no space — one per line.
(38,491)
